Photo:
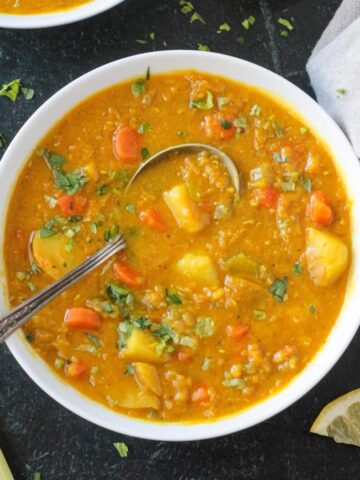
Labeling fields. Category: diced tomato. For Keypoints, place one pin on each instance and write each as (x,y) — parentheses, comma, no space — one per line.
(320,210)
(76,368)
(125,274)
(184,357)
(127,145)
(267,197)
(237,332)
(218,127)
(73,204)
(83,318)
(152,219)
(200,395)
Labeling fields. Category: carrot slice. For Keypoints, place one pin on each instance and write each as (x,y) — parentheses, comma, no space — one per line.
(218,127)
(320,209)
(267,197)
(73,204)
(76,368)
(152,219)
(127,145)
(83,318)
(237,332)
(125,274)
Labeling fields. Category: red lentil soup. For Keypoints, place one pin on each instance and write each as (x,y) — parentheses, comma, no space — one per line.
(31,7)
(218,300)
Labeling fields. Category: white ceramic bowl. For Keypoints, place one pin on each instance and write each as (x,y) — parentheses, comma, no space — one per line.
(54,19)
(313,116)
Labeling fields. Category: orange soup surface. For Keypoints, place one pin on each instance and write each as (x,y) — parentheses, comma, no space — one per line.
(31,7)
(219,300)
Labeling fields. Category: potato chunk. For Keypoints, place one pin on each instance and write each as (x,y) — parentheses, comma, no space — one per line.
(53,255)
(147,377)
(130,396)
(198,268)
(141,347)
(188,215)
(326,256)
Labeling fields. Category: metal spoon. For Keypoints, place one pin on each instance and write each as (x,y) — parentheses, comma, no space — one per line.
(188,147)
(19,315)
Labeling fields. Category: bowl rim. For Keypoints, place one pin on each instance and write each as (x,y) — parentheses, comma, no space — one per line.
(57,18)
(339,337)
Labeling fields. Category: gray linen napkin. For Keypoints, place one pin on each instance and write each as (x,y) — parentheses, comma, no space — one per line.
(334,70)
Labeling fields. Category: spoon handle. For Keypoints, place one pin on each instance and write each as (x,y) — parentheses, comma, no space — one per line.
(19,315)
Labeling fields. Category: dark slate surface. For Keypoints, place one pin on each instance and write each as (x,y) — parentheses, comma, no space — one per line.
(36,434)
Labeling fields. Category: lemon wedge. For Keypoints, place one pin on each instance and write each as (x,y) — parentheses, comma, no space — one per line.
(340,419)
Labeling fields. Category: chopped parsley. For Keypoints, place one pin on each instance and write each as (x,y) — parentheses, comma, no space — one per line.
(145,154)
(340,91)
(186,7)
(205,103)
(203,48)
(306,183)
(248,22)
(164,334)
(255,110)
(37,476)
(46,232)
(93,339)
(279,288)
(129,370)
(102,189)
(138,88)
(285,23)
(225,124)
(284,33)
(297,268)
(223,101)
(122,449)
(118,294)
(172,297)
(28,93)
(224,27)
(181,134)
(144,127)
(312,309)
(196,17)
(303,130)
(279,131)
(130,208)
(259,315)
(11,89)
(110,234)
(241,123)
(279,158)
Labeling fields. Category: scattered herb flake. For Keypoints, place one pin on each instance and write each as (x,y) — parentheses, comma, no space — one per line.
(196,17)
(255,110)
(241,123)
(340,91)
(11,89)
(130,208)
(102,189)
(248,22)
(186,7)
(46,232)
(203,48)
(306,183)
(279,131)
(130,370)
(138,88)
(140,41)
(284,33)
(172,297)
(205,103)
(37,476)
(144,127)
(225,124)
(152,36)
(28,93)
(145,154)
(278,289)
(181,134)
(259,315)
(223,101)
(297,268)
(122,448)
(312,309)
(240,39)
(279,158)
(93,339)
(224,27)
(285,23)
(303,130)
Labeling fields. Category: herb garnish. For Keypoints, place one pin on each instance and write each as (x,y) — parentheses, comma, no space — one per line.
(278,289)
(297,268)
(279,158)
(102,189)
(118,294)
(306,183)
(255,110)
(196,17)
(2,140)
(28,93)
(248,22)
(312,309)
(11,89)
(138,88)
(279,131)
(203,48)
(340,91)
(205,103)
(286,23)
(130,208)
(172,297)
(130,370)
(224,27)
(145,154)
(122,448)
(225,124)
(144,127)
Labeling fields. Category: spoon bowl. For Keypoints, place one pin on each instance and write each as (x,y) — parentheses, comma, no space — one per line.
(189,147)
